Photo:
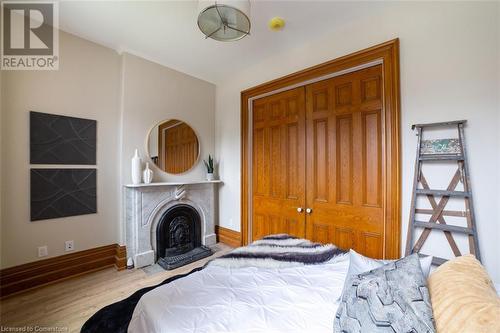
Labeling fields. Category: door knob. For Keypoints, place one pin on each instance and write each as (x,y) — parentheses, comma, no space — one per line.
(309,210)
(300,209)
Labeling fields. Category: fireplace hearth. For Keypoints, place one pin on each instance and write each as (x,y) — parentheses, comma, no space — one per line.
(178,237)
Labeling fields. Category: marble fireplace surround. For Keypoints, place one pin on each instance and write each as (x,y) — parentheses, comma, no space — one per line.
(146,203)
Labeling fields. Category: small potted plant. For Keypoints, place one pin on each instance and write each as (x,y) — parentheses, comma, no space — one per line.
(210,167)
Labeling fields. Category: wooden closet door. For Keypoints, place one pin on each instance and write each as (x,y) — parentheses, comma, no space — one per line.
(344,162)
(278,164)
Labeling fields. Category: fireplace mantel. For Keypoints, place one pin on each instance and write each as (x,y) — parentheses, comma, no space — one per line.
(146,203)
(175,183)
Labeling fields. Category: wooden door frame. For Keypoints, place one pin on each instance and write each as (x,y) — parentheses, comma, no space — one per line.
(386,54)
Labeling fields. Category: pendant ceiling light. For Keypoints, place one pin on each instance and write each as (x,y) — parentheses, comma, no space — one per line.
(224,20)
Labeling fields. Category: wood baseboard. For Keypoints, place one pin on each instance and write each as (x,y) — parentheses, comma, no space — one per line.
(39,273)
(120,257)
(228,236)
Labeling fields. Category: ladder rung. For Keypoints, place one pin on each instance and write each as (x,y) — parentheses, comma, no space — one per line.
(444,227)
(446,123)
(444,212)
(441,158)
(443,193)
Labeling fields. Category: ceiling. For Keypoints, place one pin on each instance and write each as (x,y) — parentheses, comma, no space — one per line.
(166,31)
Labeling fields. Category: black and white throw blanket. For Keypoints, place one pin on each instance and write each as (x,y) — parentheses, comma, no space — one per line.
(276,251)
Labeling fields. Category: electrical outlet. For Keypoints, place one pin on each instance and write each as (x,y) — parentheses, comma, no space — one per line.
(69,245)
(43,251)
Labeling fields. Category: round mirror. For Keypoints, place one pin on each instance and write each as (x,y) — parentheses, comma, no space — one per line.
(173,146)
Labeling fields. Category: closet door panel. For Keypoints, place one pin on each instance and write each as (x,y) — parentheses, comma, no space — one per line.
(344,159)
(344,169)
(278,158)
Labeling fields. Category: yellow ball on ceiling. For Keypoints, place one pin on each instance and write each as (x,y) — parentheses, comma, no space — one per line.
(276,23)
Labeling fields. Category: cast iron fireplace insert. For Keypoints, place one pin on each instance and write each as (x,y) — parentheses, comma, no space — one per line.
(178,237)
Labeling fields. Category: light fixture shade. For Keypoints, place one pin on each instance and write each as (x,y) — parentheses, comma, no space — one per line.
(224,20)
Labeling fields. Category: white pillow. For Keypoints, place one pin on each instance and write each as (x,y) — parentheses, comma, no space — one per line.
(359,264)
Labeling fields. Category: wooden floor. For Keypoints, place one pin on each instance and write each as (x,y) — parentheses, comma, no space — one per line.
(68,304)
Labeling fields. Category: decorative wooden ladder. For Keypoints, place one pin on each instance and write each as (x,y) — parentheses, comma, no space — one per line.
(442,150)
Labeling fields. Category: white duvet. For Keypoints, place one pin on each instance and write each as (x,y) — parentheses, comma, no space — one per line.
(247,299)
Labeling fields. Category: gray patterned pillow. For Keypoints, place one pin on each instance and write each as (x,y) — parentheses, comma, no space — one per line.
(391,298)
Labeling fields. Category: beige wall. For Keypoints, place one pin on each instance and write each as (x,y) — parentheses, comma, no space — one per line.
(86,85)
(449,70)
(127,96)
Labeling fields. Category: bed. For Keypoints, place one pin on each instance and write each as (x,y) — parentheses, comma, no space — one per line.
(278,284)
(285,284)
(246,299)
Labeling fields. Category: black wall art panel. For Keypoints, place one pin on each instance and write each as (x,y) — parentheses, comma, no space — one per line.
(56,139)
(62,192)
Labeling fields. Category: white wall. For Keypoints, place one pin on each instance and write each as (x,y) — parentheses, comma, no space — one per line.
(153,93)
(86,85)
(498,126)
(1,165)
(449,70)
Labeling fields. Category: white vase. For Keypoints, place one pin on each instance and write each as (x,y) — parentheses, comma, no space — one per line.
(210,176)
(147,175)
(136,168)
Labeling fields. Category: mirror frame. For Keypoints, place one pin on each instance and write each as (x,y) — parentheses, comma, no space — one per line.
(156,167)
